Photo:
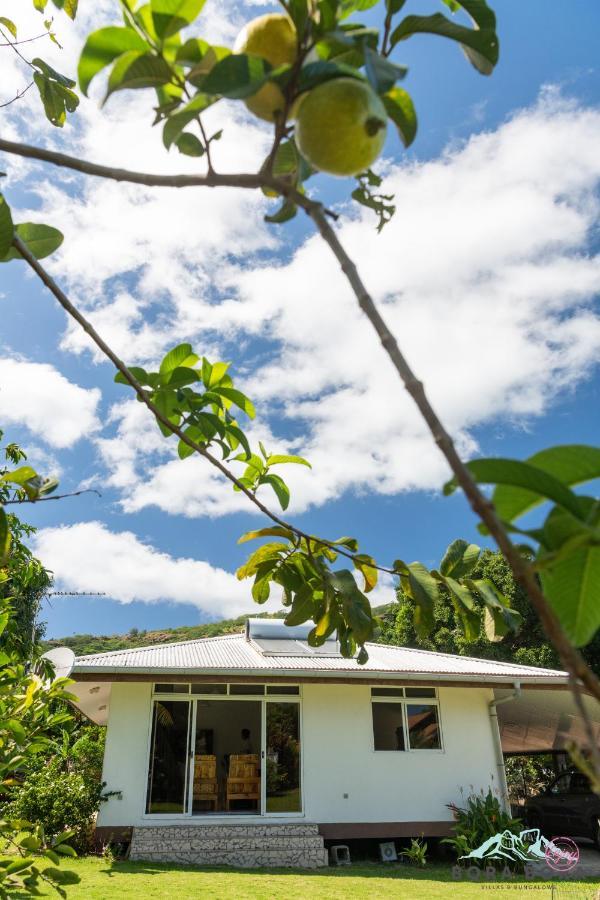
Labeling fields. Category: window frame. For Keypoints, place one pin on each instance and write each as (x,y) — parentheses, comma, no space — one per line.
(262,690)
(404,702)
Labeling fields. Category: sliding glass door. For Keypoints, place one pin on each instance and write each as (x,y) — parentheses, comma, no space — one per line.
(282,732)
(167,773)
(224,755)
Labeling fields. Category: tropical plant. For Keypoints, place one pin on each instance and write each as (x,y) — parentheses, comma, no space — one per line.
(32,706)
(481,817)
(416,853)
(527,646)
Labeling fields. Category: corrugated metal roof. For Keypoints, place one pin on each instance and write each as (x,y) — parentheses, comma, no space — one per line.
(237,655)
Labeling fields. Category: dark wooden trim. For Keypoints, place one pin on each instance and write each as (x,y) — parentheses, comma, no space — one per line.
(106,834)
(355,830)
(329,830)
(220,677)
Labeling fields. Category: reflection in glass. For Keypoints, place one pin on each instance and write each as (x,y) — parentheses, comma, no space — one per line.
(423,726)
(283,758)
(168,757)
(388,727)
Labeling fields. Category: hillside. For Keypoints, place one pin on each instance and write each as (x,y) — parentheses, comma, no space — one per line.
(81,644)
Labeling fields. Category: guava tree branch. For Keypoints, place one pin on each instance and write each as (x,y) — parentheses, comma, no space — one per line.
(75,313)
(52,497)
(212,179)
(483,508)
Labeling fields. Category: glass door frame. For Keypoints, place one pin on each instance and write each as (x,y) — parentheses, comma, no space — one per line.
(192,700)
(279,698)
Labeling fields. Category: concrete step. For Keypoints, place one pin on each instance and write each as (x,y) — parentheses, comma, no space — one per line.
(241,843)
(249,846)
(220,830)
(242,859)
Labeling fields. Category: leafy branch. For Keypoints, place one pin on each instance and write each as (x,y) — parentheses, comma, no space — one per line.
(148,52)
(522,570)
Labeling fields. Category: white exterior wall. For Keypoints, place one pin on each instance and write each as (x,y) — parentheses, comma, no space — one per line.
(389,786)
(337,758)
(126,754)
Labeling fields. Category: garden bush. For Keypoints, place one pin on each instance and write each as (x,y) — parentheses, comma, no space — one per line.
(481,817)
(58,801)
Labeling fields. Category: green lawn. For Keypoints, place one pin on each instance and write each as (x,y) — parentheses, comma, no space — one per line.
(101,880)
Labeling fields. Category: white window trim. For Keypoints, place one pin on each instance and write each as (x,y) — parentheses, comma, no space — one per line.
(411,701)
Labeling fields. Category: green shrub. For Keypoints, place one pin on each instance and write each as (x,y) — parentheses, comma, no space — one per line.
(480,818)
(416,853)
(58,801)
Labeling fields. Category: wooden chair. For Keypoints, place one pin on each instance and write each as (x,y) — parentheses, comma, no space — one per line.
(206,785)
(243,780)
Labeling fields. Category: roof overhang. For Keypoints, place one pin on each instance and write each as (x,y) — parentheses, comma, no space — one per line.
(544,721)
(359,674)
(93,699)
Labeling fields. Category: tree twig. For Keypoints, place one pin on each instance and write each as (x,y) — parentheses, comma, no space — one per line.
(75,313)
(17,96)
(52,497)
(483,508)
(16,43)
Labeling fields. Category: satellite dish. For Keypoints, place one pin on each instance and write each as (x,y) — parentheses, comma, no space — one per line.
(62,658)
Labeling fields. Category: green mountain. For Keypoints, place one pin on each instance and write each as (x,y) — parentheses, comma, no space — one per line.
(82,644)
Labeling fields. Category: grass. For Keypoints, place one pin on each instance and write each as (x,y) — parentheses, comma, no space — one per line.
(103,880)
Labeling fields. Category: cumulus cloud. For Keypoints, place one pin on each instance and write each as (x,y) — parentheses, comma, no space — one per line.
(485,275)
(143,263)
(88,556)
(37,396)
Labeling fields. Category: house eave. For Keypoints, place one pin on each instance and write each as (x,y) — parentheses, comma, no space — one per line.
(171,673)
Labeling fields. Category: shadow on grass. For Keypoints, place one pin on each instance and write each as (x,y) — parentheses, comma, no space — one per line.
(356,870)
(439,872)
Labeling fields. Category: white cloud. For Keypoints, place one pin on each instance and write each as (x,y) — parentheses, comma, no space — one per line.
(37,396)
(165,248)
(89,557)
(486,277)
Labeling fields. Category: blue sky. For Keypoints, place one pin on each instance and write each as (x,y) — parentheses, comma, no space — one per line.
(488,275)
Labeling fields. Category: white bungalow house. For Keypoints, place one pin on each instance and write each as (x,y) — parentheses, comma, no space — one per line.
(253,748)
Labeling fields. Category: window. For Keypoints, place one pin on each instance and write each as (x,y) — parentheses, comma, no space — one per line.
(399,724)
(562,784)
(387,692)
(388,726)
(252,689)
(580,784)
(209,688)
(171,688)
(423,726)
(290,690)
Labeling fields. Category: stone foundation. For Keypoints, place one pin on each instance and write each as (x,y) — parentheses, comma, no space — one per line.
(240,846)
